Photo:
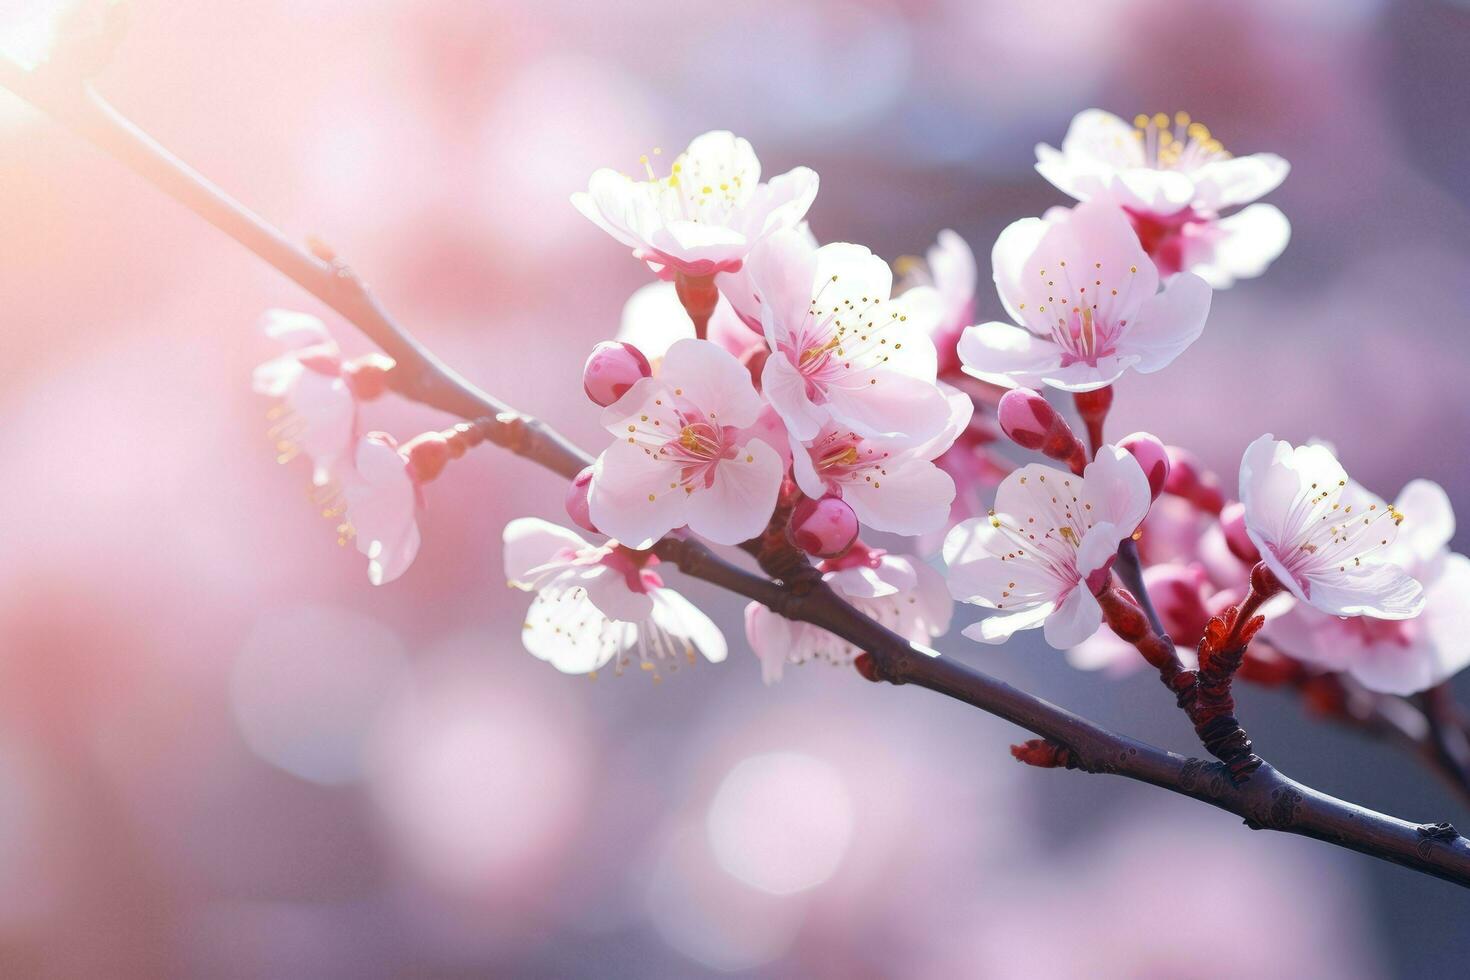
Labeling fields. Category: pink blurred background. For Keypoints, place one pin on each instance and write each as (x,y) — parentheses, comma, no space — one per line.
(224,754)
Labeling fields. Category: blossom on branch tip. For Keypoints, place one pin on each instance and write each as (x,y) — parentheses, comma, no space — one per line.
(841,349)
(1174,178)
(706,215)
(1087,296)
(1397,656)
(690,449)
(899,591)
(318,391)
(1047,547)
(599,603)
(1325,538)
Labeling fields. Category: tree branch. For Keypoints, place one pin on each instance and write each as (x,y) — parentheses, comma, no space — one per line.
(1267,800)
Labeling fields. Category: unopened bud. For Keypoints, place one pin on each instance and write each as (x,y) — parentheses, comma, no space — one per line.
(1232,522)
(1032,423)
(577,507)
(824,528)
(367,376)
(427,455)
(1152,458)
(1189,479)
(612,368)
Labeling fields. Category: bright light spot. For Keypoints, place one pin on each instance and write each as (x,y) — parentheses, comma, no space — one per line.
(709,917)
(781,822)
(479,779)
(307,686)
(28,28)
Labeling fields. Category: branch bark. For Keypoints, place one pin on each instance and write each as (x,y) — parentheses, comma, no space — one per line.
(1267,800)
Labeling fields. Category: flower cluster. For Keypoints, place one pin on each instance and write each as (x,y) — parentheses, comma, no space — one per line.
(799,397)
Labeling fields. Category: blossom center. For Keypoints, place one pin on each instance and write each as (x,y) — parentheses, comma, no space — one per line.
(1176,144)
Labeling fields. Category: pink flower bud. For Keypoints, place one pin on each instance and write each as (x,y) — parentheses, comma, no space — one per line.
(1026,417)
(577,508)
(1151,456)
(612,368)
(1032,423)
(427,455)
(1189,479)
(1232,522)
(824,528)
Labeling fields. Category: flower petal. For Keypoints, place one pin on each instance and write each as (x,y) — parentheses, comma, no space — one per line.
(738,504)
(1168,322)
(1075,620)
(1006,355)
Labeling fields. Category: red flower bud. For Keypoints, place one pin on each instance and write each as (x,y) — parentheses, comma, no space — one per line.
(612,368)
(1189,479)
(1032,423)
(367,376)
(824,528)
(427,455)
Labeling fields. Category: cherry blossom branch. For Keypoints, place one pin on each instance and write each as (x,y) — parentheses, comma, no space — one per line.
(1266,800)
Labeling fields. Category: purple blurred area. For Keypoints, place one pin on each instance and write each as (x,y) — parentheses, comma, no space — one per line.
(224,754)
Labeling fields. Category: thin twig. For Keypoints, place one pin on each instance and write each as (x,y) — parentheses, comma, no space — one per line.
(1267,800)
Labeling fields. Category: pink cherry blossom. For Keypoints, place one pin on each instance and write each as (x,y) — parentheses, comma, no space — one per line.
(1046,547)
(841,349)
(891,487)
(900,592)
(595,603)
(1327,540)
(1397,656)
(706,215)
(1088,298)
(382,502)
(688,451)
(319,413)
(1173,178)
(950,268)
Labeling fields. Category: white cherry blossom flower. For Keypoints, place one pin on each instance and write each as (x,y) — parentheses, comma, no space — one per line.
(901,592)
(319,413)
(1047,546)
(597,604)
(1326,539)
(706,215)
(691,449)
(841,349)
(1174,179)
(1397,656)
(889,486)
(1087,296)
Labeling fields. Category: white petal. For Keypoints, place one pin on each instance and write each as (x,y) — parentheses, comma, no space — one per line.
(531,543)
(1076,619)
(680,618)
(624,478)
(1006,355)
(714,380)
(1116,487)
(1168,322)
(296,330)
(1099,546)
(1429,521)
(912,497)
(781,271)
(771,637)
(998,629)
(1238,180)
(609,591)
(901,409)
(565,629)
(1241,246)
(1379,589)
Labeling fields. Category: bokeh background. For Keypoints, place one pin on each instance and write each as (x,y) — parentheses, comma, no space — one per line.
(224,754)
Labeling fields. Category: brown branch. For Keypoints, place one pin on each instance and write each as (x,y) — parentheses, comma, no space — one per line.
(1267,800)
